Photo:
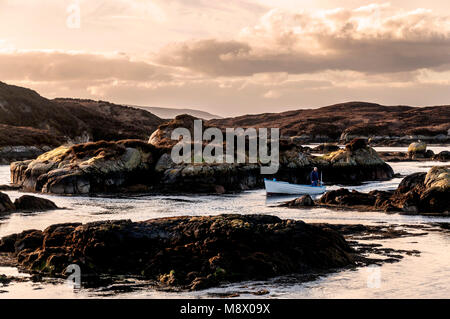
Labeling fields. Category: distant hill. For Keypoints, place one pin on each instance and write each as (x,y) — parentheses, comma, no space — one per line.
(170,113)
(26,118)
(352,119)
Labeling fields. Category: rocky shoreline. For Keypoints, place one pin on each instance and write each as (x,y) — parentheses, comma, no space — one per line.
(418,193)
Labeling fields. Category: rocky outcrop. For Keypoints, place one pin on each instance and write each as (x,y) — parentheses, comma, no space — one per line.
(417,147)
(88,168)
(5,204)
(419,150)
(131,165)
(24,203)
(430,195)
(162,136)
(418,193)
(354,164)
(33,203)
(443,156)
(189,252)
(342,198)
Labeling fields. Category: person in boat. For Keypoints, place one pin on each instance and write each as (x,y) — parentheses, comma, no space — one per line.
(315,181)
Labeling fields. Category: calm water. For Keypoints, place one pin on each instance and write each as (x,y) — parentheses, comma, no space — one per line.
(425,276)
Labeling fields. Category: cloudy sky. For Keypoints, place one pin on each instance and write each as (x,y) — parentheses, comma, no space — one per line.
(229,57)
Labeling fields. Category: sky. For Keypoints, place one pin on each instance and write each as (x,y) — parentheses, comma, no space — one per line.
(229,57)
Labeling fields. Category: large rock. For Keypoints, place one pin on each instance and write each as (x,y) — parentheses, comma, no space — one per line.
(302,201)
(436,195)
(411,181)
(443,156)
(33,203)
(5,204)
(418,193)
(88,168)
(27,240)
(356,163)
(429,193)
(191,252)
(417,147)
(344,197)
(162,136)
(419,150)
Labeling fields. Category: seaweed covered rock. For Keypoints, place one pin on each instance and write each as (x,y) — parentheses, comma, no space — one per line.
(189,252)
(303,201)
(345,197)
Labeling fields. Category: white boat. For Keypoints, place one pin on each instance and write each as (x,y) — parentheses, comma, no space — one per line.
(279,187)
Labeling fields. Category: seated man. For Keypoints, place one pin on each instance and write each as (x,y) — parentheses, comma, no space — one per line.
(315,177)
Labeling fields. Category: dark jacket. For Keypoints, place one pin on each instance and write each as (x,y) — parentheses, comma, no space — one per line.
(314,176)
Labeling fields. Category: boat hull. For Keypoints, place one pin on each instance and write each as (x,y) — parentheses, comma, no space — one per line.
(276,187)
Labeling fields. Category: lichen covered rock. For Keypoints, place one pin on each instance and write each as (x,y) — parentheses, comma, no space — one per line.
(87,168)
(417,147)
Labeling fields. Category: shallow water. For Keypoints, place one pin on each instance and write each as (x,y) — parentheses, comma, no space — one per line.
(426,276)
